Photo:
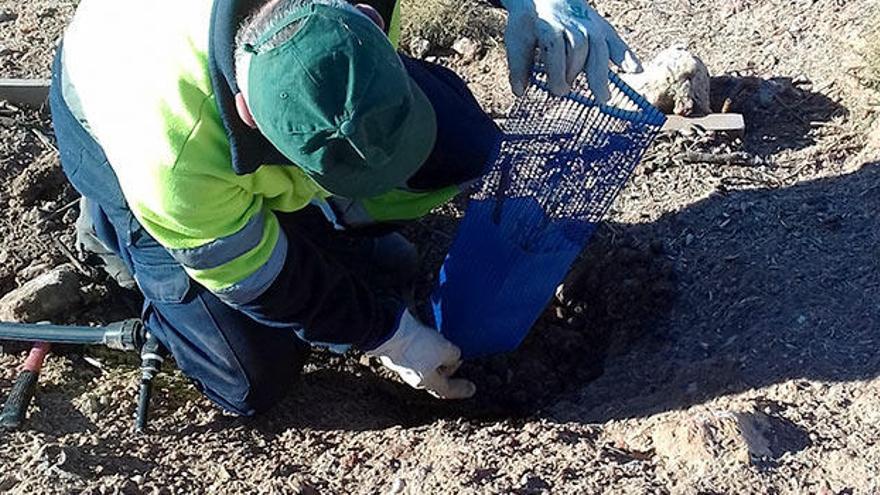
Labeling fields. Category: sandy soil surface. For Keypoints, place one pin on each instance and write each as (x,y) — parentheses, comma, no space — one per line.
(719,335)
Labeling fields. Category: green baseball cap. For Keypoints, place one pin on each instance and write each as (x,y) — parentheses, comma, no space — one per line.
(336,100)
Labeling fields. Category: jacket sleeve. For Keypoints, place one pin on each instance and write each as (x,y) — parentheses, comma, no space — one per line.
(232,244)
(322,301)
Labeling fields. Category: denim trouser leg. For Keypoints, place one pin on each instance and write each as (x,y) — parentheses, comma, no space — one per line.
(242,366)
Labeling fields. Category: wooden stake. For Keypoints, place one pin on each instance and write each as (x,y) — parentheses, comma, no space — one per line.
(32,92)
(724,122)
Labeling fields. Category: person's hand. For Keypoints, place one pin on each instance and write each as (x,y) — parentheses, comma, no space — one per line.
(572,38)
(424,359)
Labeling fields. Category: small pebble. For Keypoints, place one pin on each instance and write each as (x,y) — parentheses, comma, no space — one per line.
(69,217)
(467,48)
(397,487)
(419,47)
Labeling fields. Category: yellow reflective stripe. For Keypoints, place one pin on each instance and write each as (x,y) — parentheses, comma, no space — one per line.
(394,28)
(405,205)
(226,275)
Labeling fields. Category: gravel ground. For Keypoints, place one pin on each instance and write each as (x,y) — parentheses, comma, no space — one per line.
(718,336)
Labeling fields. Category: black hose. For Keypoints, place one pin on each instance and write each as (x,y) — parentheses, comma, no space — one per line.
(59,334)
(152,355)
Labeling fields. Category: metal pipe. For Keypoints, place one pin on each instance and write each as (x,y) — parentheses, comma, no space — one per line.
(59,334)
(127,335)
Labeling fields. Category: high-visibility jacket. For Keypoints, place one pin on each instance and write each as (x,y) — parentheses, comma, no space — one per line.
(154,83)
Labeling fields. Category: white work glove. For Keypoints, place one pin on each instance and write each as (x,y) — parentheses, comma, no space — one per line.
(572,38)
(424,359)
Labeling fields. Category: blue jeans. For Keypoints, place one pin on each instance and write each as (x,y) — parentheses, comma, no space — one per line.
(241,365)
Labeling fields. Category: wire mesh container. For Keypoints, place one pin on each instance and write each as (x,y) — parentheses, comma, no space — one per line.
(558,166)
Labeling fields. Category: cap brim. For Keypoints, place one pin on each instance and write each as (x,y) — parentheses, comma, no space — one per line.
(417,139)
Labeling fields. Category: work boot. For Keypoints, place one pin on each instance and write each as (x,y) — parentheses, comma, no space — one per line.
(87,242)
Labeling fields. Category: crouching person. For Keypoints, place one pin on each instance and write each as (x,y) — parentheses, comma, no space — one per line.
(230,152)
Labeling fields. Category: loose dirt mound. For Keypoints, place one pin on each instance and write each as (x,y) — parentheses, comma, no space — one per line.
(35,197)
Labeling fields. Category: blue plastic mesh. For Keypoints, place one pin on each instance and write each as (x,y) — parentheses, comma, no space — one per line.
(560,163)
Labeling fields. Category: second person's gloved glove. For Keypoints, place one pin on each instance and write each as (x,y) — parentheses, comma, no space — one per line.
(424,359)
(572,38)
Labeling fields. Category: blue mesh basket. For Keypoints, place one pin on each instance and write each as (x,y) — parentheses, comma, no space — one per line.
(559,164)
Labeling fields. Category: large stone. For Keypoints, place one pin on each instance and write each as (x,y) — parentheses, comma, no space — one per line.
(706,440)
(47,296)
(676,81)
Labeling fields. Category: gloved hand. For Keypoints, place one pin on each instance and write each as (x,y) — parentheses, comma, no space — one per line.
(571,36)
(424,359)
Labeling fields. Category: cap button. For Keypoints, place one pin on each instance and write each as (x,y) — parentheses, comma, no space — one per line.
(347,128)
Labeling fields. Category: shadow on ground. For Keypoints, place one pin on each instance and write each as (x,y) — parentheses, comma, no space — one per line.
(774,285)
(769,285)
(738,291)
(780,112)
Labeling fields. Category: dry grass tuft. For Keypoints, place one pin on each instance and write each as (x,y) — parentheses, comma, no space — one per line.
(441,22)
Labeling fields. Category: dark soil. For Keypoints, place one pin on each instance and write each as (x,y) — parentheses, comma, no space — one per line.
(34,199)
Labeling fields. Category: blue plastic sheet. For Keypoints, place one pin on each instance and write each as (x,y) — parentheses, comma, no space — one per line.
(560,163)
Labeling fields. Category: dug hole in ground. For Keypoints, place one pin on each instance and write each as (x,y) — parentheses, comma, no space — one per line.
(719,335)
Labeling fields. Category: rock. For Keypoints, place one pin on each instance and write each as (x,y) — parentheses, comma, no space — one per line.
(397,487)
(223,475)
(48,206)
(307,489)
(533,484)
(34,269)
(419,47)
(6,16)
(69,217)
(43,298)
(7,484)
(41,180)
(468,49)
(675,81)
(701,442)
(31,216)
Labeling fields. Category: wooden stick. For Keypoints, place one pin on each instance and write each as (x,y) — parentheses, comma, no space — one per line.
(733,158)
(728,122)
(32,92)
